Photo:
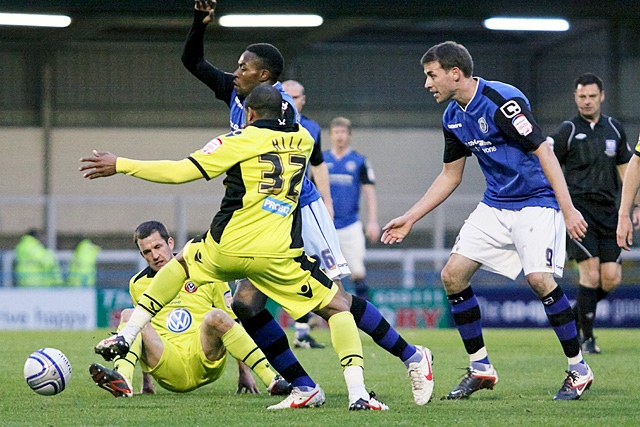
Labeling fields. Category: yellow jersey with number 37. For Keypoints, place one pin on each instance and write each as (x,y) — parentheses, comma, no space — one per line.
(264,164)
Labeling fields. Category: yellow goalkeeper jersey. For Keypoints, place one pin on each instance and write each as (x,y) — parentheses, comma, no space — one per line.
(182,317)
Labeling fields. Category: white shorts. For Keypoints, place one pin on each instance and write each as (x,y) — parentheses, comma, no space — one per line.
(353,246)
(321,241)
(507,241)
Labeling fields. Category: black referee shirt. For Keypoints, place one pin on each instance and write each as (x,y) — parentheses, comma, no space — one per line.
(590,157)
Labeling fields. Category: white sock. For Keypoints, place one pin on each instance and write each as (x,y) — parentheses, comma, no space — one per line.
(302,329)
(354,377)
(138,320)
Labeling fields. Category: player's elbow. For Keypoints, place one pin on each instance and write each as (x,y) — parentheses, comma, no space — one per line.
(187,61)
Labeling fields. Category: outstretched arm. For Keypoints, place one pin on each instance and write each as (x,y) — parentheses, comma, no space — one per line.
(104,164)
(575,223)
(448,180)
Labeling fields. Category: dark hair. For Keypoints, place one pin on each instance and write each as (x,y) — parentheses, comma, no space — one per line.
(270,58)
(588,79)
(450,54)
(147,228)
(266,100)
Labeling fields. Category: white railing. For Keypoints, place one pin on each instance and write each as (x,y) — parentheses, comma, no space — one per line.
(405,258)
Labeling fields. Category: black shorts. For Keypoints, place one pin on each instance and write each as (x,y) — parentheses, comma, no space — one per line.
(600,239)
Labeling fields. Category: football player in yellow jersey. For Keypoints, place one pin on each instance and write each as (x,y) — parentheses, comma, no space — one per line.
(185,345)
(255,235)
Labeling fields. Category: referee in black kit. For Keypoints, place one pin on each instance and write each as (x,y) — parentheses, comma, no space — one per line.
(592,149)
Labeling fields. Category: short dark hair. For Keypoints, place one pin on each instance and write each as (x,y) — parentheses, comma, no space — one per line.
(450,54)
(266,100)
(147,228)
(588,79)
(270,58)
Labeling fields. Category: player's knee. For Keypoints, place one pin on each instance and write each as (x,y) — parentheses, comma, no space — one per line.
(449,278)
(242,309)
(218,320)
(610,283)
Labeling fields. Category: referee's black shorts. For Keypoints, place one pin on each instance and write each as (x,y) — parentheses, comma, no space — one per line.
(600,239)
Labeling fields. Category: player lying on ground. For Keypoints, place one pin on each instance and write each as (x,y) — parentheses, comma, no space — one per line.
(185,345)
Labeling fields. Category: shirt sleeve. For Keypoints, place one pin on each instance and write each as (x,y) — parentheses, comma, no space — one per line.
(193,59)
(367,176)
(160,171)
(624,152)
(454,149)
(561,140)
(516,122)
(316,155)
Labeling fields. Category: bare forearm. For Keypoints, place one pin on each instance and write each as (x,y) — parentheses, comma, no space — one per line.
(553,172)
(321,179)
(630,186)
(372,203)
(438,192)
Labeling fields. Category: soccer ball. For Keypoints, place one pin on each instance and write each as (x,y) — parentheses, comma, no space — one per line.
(47,371)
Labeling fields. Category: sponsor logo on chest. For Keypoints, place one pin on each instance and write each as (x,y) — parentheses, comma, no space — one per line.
(276,206)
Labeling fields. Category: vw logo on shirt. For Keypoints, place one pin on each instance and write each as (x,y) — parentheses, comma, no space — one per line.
(179,320)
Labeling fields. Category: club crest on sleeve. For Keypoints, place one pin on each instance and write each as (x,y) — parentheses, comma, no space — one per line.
(211,146)
(522,125)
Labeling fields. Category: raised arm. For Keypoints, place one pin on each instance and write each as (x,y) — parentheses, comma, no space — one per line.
(441,188)
(193,54)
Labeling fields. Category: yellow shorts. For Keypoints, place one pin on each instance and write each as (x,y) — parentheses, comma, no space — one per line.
(298,285)
(184,367)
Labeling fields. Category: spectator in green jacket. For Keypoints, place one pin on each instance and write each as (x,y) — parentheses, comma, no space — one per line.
(82,269)
(35,265)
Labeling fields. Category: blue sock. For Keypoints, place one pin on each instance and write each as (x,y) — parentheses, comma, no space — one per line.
(468,320)
(272,340)
(558,310)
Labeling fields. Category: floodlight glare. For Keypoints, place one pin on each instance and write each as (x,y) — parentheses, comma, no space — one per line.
(33,20)
(526,24)
(248,21)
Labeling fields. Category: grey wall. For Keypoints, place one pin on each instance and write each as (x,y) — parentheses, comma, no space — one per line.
(405,162)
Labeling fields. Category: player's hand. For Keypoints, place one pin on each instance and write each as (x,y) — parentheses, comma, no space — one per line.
(206,6)
(372,231)
(624,233)
(100,165)
(147,384)
(396,230)
(246,383)
(576,225)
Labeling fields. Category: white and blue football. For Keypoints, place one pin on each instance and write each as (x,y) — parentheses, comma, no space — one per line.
(47,371)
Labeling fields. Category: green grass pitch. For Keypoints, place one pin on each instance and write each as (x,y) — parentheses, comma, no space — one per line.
(530,365)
